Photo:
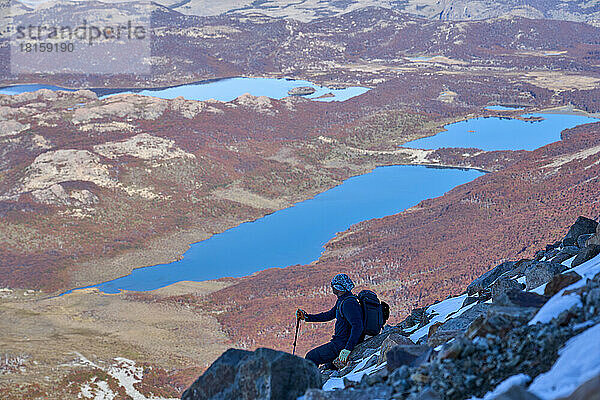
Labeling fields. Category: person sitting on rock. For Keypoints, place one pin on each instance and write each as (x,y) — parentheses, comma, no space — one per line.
(348,326)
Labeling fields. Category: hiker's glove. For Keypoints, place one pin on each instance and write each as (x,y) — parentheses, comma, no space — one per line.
(301,314)
(344,355)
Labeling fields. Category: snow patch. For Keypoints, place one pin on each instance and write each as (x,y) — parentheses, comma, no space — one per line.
(558,303)
(355,375)
(578,362)
(123,370)
(441,312)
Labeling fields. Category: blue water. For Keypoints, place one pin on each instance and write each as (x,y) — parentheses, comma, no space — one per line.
(223,90)
(230,89)
(296,235)
(495,133)
(502,108)
(18,89)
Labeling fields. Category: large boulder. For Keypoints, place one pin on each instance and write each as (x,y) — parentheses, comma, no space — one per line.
(594,240)
(519,298)
(560,282)
(541,272)
(582,226)
(486,279)
(586,254)
(457,326)
(411,355)
(583,239)
(394,339)
(503,285)
(264,374)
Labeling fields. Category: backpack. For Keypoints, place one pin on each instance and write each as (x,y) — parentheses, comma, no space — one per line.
(375,313)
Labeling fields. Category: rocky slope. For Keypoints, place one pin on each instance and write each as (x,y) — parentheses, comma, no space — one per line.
(527,329)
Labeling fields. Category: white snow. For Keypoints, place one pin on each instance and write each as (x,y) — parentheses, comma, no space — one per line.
(540,289)
(441,311)
(123,370)
(557,304)
(515,380)
(588,269)
(100,391)
(522,279)
(561,302)
(356,374)
(579,361)
(567,263)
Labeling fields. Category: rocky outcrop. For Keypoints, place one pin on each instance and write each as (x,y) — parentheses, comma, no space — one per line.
(489,277)
(585,254)
(582,226)
(542,272)
(302,91)
(264,374)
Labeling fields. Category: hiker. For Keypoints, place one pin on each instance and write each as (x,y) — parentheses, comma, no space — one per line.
(348,325)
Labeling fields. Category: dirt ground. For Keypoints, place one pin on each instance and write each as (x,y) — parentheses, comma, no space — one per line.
(48,334)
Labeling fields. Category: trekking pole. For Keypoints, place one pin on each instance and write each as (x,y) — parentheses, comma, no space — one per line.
(296,336)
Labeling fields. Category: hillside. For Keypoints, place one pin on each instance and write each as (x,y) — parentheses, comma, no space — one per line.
(526,329)
(432,250)
(306,10)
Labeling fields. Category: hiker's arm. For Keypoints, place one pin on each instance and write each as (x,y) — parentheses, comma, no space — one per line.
(321,317)
(353,314)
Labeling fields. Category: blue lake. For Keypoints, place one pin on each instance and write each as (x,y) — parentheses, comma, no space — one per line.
(223,90)
(296,235)
(502,133)
(502,108)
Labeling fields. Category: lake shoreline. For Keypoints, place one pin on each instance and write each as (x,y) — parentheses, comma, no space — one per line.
(172,247)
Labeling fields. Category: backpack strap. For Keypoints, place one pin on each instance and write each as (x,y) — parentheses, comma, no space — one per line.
(341,305)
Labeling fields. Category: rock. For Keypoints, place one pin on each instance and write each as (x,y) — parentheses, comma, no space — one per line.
(559,282)
(370,345)
(502,285)
(582,239)
(411,355)
(517,392)
(594,240)
(519,269)
(457,326)
(418,316)
(262,374)
(586,254)
(392,340)
(499,320)
(590,390)
(302,91)
(486,279)
(551,254)
(519,298)
(562,257)
(452,350)
(541,272)
(571,250)
(469,300)
(427,394)
(539,255)
(582,226)
(372,392)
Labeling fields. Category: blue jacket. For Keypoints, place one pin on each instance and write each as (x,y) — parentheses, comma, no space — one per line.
(349,322)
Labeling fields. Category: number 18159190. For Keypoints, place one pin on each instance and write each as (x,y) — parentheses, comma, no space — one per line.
(47,47)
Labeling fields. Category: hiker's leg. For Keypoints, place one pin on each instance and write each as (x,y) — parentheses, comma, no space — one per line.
(323,354)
